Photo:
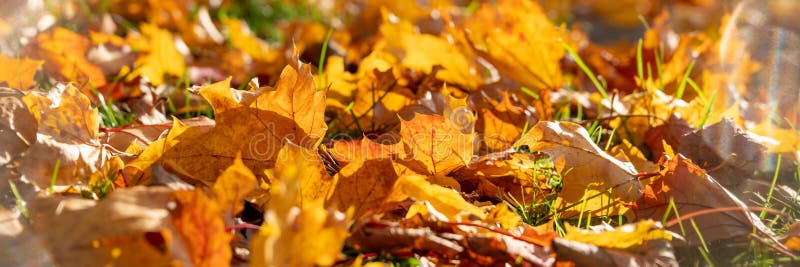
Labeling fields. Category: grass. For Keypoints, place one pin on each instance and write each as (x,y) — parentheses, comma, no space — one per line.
(600,88)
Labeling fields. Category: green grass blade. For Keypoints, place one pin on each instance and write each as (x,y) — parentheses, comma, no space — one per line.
(54,176)
(322,56)
(582,65)
(685,79)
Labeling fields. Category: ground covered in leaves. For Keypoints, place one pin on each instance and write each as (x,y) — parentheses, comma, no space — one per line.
(354,133)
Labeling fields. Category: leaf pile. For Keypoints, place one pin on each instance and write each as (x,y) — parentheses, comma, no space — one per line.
(481,134)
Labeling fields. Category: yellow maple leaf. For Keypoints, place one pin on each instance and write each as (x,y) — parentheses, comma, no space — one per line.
(160,56)
(424,51)
(297,233)
(629,236)
(435,145)
(197,219)
(444,200)
(236,182)
(64,53)
(18,72)
(257,123)
(304,165)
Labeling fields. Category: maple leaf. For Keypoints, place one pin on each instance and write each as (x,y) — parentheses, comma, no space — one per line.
(519,40)
(18,72)
(236,182)
(365,149)
(629,236)
(130,227)
(243,39)
(198,220)
(17,125)
(691,190)
(256,123)
(160,56)
(591,170)
(303,165)
(724,143)
(446,201)
(424,51)
(500,124)
(365,184)
(435,145)
(64,53)
(67,133)
(297,231)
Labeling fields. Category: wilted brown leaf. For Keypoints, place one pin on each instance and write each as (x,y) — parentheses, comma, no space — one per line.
(591,170)
(17,125)
(692,190)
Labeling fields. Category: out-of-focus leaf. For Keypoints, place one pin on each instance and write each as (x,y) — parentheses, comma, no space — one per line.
(231,187)
(159,55)
(501,216)
(130,227)
(518,38)
(724,147)
(198,219)
(657,253)
(64,53)
(17,125)
(303,165)
(298,231)
(18,72)
(67,133)
(590,171)
(424,51)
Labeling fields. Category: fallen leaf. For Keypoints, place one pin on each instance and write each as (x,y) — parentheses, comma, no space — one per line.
(422,52)
(434,145)
(296,163)
(232,186)
(657,253)
(130,227)
(159,56)
(729,152)
(64,53)
(692,190)
(298,233)
(18,72)
(198,220)
(256,123)
(625,237)
(18,126)
(503,217)
(67,133)
(519,40)
(445,200)
(347,151)
(501,123)
(591,170)
(365,184)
